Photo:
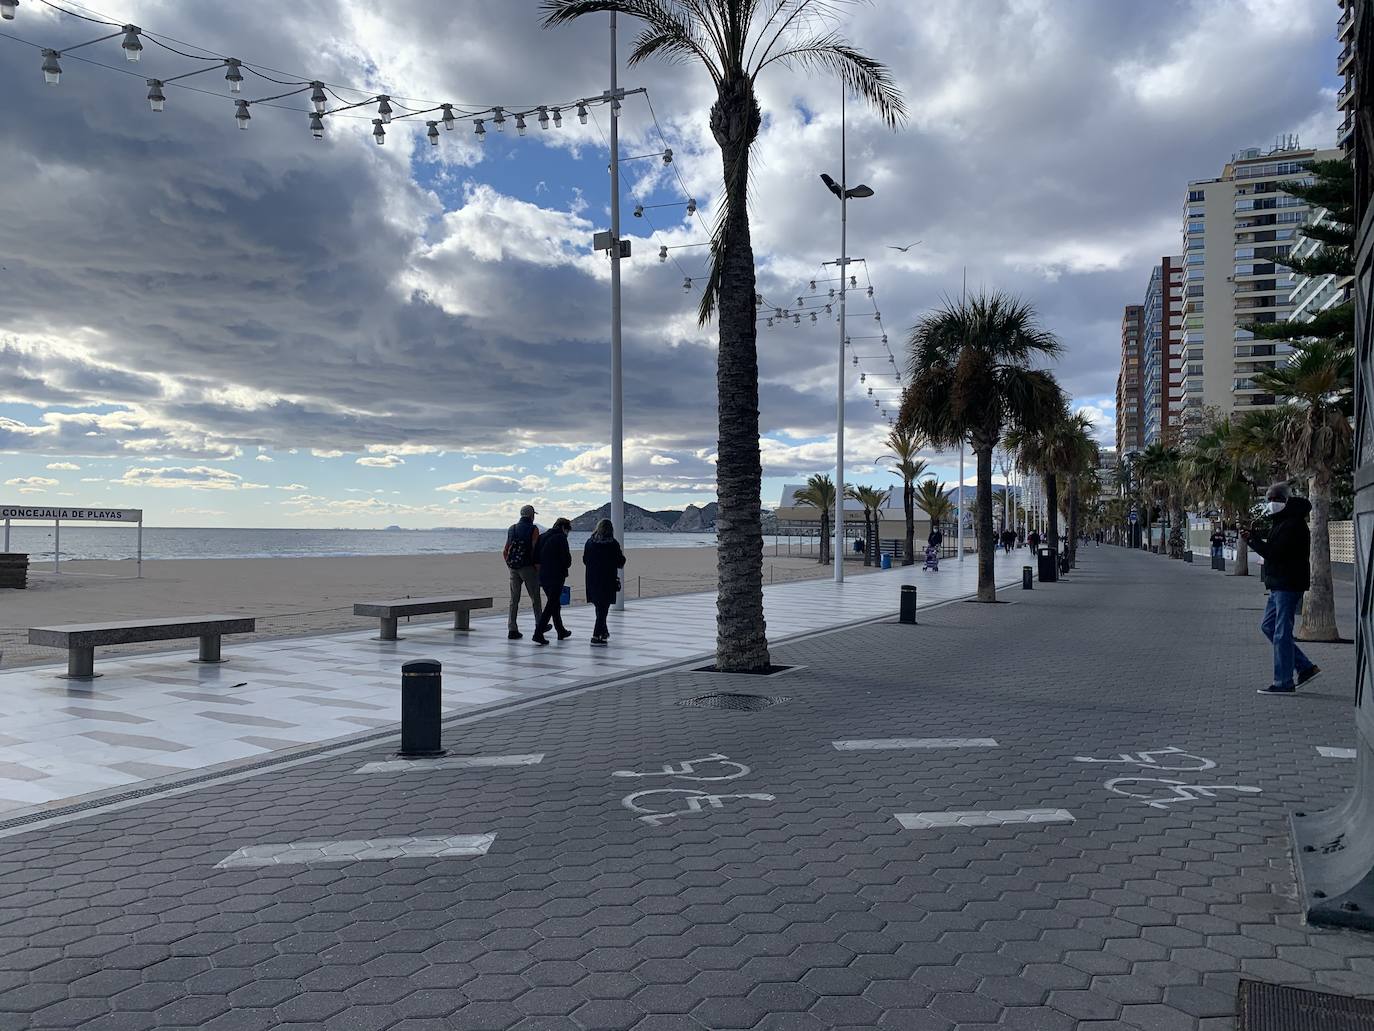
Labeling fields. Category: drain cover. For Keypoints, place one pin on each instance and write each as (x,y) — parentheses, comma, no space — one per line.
(1272,1007)
(737,702)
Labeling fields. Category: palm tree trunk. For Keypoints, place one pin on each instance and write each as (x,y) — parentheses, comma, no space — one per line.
(825,537)
(1242,554)
(1052,504)
(868,538)
(909,504)
(1176,527)
(1073,521)
(1319,608)
(987,580)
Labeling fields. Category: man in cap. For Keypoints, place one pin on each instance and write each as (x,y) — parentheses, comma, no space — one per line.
(521,541)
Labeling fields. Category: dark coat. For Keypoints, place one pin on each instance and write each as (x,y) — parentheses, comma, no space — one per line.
(553,558)
(1285,548)
(604,560)
(935,539)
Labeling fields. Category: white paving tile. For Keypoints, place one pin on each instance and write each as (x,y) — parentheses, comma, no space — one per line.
(882,743)
(450,762)
(455,846)
(1335,753)
(982,818)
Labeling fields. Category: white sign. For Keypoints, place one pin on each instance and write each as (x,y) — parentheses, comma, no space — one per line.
(75,515)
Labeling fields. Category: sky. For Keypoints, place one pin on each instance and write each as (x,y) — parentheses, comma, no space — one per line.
(255,328)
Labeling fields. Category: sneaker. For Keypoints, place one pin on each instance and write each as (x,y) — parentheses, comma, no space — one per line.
(514,635)
(563,635)
(601,641)
(539,639)
(1273,689)
(1309,674)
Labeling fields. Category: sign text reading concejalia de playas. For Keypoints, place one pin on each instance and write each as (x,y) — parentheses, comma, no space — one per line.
(117,515)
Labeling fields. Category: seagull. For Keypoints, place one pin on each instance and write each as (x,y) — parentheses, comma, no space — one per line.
(894,247)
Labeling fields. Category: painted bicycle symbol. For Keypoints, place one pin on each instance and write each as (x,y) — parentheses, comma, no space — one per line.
(1179,791)
(688,769)
(1170,758)
(696,799)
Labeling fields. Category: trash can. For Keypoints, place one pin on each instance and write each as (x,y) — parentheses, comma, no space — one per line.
(1188,556)
(1027,579)
(886,562)
(1219,561)
(908,612)
(421,709)
(1047,563)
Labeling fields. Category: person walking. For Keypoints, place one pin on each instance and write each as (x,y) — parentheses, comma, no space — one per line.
(1020,536)
(1218,542)
(522,538)
(1033,538)
(554,560)
(1288,575)
(604,560)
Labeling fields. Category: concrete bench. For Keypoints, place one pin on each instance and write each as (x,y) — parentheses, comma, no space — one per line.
(81,639)
(390,611)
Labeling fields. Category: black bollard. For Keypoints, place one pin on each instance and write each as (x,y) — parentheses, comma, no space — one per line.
(908,614)
(1027,578)
(421,704)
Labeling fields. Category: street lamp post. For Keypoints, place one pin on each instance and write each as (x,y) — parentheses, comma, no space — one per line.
(842,191)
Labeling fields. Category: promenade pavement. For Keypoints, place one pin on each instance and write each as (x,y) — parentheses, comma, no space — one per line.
(161,718)
(1067,812)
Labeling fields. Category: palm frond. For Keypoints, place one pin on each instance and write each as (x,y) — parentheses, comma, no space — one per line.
(862,75)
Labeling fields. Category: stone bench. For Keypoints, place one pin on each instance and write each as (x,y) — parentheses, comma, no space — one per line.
(390,611)
(81,639)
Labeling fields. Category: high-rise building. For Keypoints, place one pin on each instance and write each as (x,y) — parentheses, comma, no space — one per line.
(1234,227)
(1345,67)
(1162,352)
(1130,422)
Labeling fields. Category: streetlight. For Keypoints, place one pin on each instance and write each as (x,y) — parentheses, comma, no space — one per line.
(844,193)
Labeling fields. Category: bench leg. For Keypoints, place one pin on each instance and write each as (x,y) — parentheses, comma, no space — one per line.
(462,620)
(209,648)
(388,629)
(80,664)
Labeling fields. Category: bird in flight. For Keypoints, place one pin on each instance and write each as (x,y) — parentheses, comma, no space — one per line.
(894,247)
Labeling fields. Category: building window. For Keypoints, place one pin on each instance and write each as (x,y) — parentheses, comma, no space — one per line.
(1195,195)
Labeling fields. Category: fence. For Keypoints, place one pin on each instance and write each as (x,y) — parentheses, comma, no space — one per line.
(1343,541)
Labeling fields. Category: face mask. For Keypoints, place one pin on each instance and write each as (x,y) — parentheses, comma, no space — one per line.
(1274,507)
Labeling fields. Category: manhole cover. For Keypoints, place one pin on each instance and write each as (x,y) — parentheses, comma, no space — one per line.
(1272,1007)
(736,702)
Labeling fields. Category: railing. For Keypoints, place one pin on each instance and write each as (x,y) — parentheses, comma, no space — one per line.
(1342,541)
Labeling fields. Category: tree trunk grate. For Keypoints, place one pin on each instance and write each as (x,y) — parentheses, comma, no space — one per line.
(733,702)
(1272,1007)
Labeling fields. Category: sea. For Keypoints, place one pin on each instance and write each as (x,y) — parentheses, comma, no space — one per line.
(119,541)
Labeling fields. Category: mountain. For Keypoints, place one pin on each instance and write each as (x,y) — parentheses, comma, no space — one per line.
(697,520)
(637,520)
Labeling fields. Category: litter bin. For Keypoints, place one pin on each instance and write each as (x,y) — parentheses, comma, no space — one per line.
(1047,563)
(886,562)
(908,611)
(1026,579)
(1219,561)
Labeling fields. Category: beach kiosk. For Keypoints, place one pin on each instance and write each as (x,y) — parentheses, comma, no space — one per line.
(56,516)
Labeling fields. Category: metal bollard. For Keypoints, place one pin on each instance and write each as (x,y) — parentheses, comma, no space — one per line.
(1027,578)
(908,612)
(421,705)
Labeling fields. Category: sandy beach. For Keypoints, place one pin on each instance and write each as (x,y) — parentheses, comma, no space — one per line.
(301,596)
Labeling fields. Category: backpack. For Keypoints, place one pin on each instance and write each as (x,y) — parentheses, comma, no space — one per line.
(518,554)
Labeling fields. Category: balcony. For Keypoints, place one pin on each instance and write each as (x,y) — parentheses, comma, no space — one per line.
(1344,58)
(1346,23)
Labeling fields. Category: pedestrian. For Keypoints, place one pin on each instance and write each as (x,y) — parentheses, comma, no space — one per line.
(604,560)
(521,541)
(554,560)
(1218,541)
(936,538)
(1033,539)
(1288,575)
(1020,536)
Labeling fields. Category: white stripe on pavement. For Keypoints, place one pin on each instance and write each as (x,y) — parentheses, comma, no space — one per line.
(875,744)
(982,818)
(1335,753)
(451,762)
(306,852)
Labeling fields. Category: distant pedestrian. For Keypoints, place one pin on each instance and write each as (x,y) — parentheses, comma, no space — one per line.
(521,541)
(1218,542)
(1033,539)
(1020,536)
(1008,540)
(935,540)
(604,560)
(554,560)
(1288,575)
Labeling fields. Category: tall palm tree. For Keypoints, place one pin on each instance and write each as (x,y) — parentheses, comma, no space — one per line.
(1318,441)
(932,497)
(1080,470)
(819,493)
(735,41)
(905,445)
(1050,450)
(1217,476)
(859,494)
(872,499)
(971,378)
(1162,479)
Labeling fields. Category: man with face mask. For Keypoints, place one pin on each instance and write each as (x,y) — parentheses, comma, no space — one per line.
(1287,575)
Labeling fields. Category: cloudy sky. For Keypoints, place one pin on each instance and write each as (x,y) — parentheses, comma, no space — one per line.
(260,329)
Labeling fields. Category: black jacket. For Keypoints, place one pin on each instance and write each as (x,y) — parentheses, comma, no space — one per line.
(1285,548)
(603,559)
(554,558)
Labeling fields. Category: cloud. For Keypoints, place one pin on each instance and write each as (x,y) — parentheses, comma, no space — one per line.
(31,481)
(489,484)
(495,469)
(293,487)
(198,511)
(171,477)
(325,453)
(382,462)
(263,458)
(64,466)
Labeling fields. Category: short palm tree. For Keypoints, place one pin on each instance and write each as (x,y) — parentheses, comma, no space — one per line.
(1163,480)
(971,378)
(1318,440)
(872,499)
(905,445)
(819,493)
(932,497)
(1050,451)
(735,41)
(1217,477)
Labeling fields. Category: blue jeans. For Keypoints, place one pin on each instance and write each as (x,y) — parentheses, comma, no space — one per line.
(1277,625)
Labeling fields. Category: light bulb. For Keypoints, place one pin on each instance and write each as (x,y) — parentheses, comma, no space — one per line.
(770,322)
(52,71)
(832,293)
(884,338)
(133,46)
(378,131)
(870,391)
(233,76)
(877,316)
(479,130)
(692,206)
(447,116)
(799,302)
(829,310)
(582,112)
(639,211)
(813,286)
(687,284)
(384,109)
(543,117)
(317,126)
(433,133)
(813,316)
(557,118)
(856,360)
(667,155)
(863,377)
(796,320)
(662,255)
(318,98)
(853,281)
(758,300)
(498,119)
(870,291)
(520,124)
(7,8)
(155,96)
(241,114)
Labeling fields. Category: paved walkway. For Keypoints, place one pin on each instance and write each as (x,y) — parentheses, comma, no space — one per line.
(1068,812)
(153,717)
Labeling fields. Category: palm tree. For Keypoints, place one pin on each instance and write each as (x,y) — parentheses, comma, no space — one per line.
(1080,470)
(1317,440)
(819,493)
(858,494)
(1162,480)
(905,446)
(971,378)
(735,41)
(932,497)
(1217,476)
(1050,450)
(872,499)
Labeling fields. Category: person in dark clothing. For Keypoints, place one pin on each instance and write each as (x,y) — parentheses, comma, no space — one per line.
(936,538)
(554,560)
(1218,541)
(604,560)
(522,540)
(1033,539)
(1288,575)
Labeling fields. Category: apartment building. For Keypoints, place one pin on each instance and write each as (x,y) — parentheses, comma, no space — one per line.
(1345,67)
(1234,227)
(1162,352)
(1130,416)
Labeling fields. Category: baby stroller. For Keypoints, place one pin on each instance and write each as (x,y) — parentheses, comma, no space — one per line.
(932,558)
